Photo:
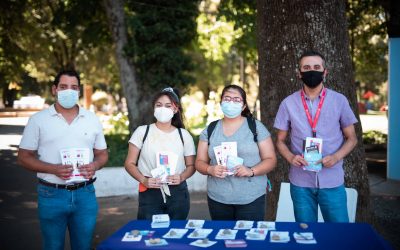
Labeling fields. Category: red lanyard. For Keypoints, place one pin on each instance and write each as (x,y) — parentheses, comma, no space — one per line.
(312,123)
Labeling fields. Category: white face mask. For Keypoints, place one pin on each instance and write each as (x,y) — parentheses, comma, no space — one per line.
(67,98)
(163,114)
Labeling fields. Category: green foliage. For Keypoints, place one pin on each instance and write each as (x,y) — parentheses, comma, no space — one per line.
(368,42)
(117,136)
(374,137)
(243,14)
(159,33)
(118,124)
(117,149)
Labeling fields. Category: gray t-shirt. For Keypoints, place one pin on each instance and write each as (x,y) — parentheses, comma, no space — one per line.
(232,189)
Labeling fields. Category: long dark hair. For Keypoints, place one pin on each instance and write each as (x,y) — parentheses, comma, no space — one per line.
(246,111)
(174,97)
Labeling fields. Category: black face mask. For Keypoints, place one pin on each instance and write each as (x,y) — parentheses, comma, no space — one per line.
(312,78)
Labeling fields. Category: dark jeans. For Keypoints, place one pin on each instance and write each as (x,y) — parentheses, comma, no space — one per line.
(177,205)
(252,211)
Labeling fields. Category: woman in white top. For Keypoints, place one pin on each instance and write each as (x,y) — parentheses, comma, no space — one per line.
(164,146)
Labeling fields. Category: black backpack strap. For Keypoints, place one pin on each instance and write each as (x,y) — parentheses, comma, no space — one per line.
(145,134)
(253,127)
(210,129)
(180,135)
(144,139)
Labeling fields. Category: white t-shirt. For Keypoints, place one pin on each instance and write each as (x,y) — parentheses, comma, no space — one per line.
(158,140)
(48,132)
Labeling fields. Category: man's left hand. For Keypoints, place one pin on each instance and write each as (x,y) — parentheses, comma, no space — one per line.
(328,161)
(87,170)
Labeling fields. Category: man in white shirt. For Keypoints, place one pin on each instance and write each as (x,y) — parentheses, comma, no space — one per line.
(66,195)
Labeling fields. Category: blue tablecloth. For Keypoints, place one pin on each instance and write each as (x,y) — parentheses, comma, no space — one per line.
(328,235)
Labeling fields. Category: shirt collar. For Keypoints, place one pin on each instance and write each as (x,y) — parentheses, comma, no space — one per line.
(53,111)
(320,93)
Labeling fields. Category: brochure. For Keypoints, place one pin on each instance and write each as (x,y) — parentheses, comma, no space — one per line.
(244,224)
(232,162)
(75,157)
(175,233)
(192,224)
(313,153)
(200,233)
(160,221)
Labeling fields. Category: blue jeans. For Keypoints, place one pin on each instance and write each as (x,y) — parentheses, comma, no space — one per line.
(60,209)
(177,205)
(253,211)
(332,201)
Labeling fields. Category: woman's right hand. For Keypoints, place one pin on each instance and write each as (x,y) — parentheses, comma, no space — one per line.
(152,182)
(217,171)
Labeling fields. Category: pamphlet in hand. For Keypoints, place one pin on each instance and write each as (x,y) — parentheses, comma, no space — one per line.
(232,162)
(75,157)
(160,221)
(228,148)
(313,154)
(167,160)
(218,154)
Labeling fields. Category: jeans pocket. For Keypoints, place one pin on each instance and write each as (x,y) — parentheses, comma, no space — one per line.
(89,188)
(46,192)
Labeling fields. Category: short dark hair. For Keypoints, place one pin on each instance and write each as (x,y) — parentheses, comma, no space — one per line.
(68,73)
(312,53)
(246,111)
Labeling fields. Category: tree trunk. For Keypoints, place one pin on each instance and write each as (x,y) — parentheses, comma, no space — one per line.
(130,85)
(286,29)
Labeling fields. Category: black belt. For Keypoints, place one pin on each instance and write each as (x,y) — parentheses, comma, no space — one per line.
(69,187)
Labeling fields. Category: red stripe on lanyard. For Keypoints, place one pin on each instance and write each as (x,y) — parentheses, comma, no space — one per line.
(312,123)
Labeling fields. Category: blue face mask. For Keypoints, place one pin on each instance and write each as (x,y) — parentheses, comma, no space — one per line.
(67,98)
(231,109)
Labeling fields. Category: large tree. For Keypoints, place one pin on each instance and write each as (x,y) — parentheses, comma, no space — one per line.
(285,30)
(151,39)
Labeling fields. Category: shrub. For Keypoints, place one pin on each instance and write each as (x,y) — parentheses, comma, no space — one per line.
(374,137)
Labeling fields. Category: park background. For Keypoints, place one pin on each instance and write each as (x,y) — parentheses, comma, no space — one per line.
(126,51)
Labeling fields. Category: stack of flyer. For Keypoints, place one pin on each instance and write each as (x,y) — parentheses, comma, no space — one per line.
(313,154)
(160,221)
(166,165)
(226,155)
(75,157)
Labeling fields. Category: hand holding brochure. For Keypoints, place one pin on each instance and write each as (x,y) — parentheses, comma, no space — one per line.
(232,162)
(75,157)
(166,165)
(313,154)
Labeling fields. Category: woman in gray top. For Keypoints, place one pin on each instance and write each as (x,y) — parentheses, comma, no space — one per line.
(238,193)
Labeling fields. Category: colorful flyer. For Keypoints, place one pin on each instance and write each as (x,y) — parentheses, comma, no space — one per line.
(313,154)
(75,157)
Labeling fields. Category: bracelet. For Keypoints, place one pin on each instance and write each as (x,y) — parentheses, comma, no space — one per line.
(252,172)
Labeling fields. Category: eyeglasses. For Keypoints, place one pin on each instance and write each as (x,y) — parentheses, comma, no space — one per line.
(232,99)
